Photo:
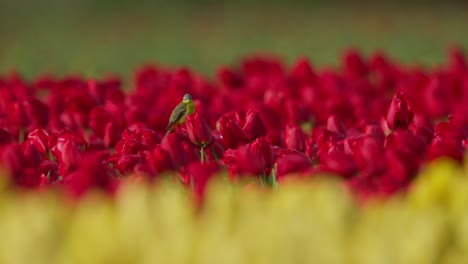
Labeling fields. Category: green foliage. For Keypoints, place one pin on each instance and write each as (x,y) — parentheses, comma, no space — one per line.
(95,39)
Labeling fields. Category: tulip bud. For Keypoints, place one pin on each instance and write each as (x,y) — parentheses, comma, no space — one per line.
(254,126)
(295,139)
(398,114)
(198,131)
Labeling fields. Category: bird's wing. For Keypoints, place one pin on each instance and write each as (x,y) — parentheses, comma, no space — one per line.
(177,113)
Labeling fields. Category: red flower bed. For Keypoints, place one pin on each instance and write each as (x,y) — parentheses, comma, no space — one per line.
(373,122)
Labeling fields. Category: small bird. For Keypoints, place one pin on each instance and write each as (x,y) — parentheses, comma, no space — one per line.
(180,112)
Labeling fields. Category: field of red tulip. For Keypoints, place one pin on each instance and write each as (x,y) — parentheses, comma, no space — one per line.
(371,126)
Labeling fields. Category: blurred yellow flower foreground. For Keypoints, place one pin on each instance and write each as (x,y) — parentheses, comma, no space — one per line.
(300,222)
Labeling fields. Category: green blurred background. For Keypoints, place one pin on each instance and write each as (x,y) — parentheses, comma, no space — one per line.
(100,37)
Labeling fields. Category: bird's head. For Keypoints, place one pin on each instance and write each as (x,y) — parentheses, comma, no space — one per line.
(187,97)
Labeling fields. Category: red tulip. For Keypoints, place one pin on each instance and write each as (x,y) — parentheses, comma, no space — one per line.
(311,149)
(198,131)
(215,151)
(111,134)
(445,146)
(145,136)
(243,161)
(37,111)
(127,163)
(363,188)
(100,89)
(398,114)
(30,177)
(275,137)
(91,174)
(446,129)
(98,120)
(303,72)
(95,144)
(324,137)
(32,156)
(18,115)
(375,132)
(69,155)
(335,125)
(50,169)
(39,138)
(295,139)
(354,64)
(328,148)
(292,163)
(388,185)
(400,166)
(172,143)
(198,175)
(20,167)
(5,137)
(160,160)
(68,149)
(192,152)
(457,61)
(436,97)
(13,159)
(130,146)
(369,156)
(233,135)
(143,170)
(340,163)
(254,126)
(229,78)
(263,149)
(404,141)
(459,122)
(272,117)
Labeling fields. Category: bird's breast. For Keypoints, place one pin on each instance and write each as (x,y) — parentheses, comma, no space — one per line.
(190,108)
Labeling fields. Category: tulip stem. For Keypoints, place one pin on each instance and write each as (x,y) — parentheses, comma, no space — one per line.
(202,154)
(213,152)
(272,178)
(21,135)
(262,179)
(51,156)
